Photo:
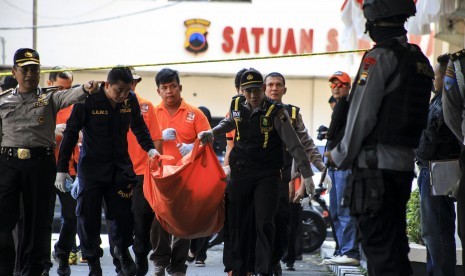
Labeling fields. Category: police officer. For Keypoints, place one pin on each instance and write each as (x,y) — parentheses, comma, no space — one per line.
(437,212)
(289,205)
(105,170)
(27,162)
(453,104)
(262,126)
(388,110)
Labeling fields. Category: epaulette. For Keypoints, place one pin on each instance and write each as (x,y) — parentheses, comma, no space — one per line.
(240,95)
(292,110)
(7,91)
(291,106)
(457,55)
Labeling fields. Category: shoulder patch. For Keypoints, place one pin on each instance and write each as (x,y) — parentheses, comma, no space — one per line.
(6,91)
(457,55)
(282,115)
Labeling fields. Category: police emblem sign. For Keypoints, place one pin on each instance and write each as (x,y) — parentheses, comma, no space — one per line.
(196,35)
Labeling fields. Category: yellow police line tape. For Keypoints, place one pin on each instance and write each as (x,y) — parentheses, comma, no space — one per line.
(197,62)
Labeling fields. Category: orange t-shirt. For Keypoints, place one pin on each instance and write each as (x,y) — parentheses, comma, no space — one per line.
(138,155)
(188,121)
(62,117)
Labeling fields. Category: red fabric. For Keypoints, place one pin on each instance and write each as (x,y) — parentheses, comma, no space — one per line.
(188,198)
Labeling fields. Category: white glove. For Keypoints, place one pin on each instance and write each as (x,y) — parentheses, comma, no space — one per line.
(60,181)
(59,129)
(328,183)
(227,171)
(168,134)
(184,149)
(75,188)
(309,186)
(152,153)
(205,136)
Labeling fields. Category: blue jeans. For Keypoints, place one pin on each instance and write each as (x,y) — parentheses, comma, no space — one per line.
(437,228)
(344,223)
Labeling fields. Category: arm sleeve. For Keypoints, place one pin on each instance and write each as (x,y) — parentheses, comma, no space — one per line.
(294,146)
(311,149)
(365,102)
(453,104)
(138,126)
(65,98)
(224,126)
(70,136)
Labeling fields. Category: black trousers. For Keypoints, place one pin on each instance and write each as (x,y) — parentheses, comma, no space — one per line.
(461,205)
(199,247)
(384,237)
(68,230)
(89,214)
(226,236)
(253,202)
(143,217)
(282,226)
(33,181)
(293,248)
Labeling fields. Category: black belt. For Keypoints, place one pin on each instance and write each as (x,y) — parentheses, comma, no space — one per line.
(26,153)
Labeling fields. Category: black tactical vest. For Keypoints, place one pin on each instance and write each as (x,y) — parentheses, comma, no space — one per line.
(256,144)
(403,112)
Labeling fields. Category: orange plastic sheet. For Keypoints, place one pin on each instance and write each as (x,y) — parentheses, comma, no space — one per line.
(188,198)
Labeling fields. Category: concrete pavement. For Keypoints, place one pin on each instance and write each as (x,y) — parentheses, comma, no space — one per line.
(309,266)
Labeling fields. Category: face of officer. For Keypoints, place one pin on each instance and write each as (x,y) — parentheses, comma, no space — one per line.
(254,96)
(170,93)
(275,89)
(339,89)
(118,91)
(439,72)
(28,77)
(61,82)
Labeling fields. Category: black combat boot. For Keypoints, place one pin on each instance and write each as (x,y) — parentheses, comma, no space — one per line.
(142,265)
(127,263)
(94,267)
(63,265)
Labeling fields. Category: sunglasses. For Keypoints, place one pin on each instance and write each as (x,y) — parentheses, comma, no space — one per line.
(338,85)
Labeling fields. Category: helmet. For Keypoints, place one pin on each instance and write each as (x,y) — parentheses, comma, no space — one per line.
(382,9)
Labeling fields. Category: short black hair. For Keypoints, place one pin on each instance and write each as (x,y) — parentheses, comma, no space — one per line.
(8,83)
(237,79)
(119,74)
(207,114)
(62,75)
(276,75)
(167,75)
(443,59)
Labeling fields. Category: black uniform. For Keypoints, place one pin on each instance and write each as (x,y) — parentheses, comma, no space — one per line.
(256,161)
(104,169)
(388,111)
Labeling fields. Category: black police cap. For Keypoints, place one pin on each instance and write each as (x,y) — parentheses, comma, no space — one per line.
(26,56)
(251,78)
